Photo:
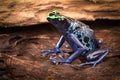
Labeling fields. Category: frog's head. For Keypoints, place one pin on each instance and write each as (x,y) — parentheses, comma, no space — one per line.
(56,19)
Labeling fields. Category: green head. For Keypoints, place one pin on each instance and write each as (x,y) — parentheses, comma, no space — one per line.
(56,19)
(59,21)
(54,15)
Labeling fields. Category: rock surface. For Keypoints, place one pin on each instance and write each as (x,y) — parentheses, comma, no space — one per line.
(29,12)
(21,60)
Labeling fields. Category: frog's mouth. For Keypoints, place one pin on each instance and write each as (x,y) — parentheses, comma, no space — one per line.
(54,16)
(53,21)
(62,25)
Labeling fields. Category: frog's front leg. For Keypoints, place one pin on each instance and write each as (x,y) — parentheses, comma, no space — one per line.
(56,49)
(80,49)
(69,59)
(95,57)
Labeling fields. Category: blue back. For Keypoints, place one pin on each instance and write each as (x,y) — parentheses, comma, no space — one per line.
(84,34)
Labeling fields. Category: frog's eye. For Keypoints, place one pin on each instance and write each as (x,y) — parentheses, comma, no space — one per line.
(51,14)
(56,12)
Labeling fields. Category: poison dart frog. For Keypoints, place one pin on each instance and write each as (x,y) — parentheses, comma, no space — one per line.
(80,38)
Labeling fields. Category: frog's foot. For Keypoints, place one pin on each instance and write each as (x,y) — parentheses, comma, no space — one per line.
(47,52)
(95,57)
(62,58)
(92,62)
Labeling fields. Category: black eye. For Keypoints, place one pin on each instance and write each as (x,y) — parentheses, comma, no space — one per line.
(51,14)
(56,13)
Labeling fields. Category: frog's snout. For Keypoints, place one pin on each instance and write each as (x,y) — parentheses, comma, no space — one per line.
(49,19)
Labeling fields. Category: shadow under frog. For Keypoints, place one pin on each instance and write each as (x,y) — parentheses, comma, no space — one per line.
(80,38)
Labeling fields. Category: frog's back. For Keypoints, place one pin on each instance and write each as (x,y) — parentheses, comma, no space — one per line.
(84,34)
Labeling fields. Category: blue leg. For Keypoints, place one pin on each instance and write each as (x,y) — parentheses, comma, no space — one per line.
(77,47)
(69,59)
(56,49)
(95,57)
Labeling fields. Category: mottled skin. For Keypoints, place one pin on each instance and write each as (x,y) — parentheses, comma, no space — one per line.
(80,38)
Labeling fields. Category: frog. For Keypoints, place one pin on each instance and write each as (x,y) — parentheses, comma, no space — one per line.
(80,38)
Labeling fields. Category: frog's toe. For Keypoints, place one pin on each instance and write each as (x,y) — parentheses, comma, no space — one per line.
(45,51)
(63,60)
(60,58)
(87,63)
(44,54)
(82,64)
(94,65)
(58,61)
(55,60)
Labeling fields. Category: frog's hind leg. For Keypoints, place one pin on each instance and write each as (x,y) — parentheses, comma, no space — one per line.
(95,57)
